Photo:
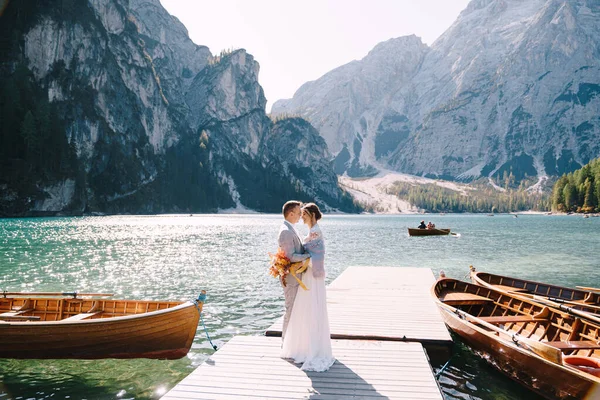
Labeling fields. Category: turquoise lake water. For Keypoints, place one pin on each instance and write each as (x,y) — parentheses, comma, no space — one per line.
(176,256)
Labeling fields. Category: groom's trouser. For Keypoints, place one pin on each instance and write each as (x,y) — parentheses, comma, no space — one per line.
(289,292)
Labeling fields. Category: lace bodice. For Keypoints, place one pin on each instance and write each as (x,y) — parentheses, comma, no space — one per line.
(314,244)
(314,233)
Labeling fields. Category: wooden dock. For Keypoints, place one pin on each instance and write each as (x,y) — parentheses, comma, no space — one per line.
(249,367)
(383,303)
(380,315)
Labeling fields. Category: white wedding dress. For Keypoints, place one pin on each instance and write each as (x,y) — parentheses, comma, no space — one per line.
(308,339)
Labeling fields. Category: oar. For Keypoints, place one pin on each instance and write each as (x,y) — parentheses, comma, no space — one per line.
(562,307)
(562,301)
(589,289)
(543,350)
(74,294)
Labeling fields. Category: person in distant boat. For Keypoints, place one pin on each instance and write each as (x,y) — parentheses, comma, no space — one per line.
(422,226)
(430,225)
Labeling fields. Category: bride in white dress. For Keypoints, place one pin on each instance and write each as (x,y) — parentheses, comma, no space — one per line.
(307,339)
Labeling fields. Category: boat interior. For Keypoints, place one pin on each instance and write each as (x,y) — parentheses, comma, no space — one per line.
(542,289)
(573,335)
(26,309)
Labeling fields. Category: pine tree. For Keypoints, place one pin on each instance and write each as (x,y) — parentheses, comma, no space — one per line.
(597,192)
(570,195)
(43,129)
(29,135)
(11,101)
(558,198)
(589,202)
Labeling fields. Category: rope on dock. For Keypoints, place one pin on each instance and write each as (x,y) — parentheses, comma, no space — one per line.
(443,368)
(201,299)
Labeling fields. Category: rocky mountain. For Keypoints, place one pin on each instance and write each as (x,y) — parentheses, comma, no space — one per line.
(310,161)
(108,106)
(511,86)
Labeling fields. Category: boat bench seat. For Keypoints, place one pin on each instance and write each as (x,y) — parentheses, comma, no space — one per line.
(16,315)
(79,317)
(506,319)
(464,299)
(510,288)
(17,311)
(574,345)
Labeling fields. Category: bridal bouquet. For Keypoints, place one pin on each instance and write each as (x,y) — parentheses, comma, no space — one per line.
(281,266)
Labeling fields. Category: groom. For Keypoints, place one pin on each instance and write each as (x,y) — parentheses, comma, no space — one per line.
(290,243)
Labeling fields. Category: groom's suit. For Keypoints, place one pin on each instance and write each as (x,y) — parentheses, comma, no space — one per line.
(290,243)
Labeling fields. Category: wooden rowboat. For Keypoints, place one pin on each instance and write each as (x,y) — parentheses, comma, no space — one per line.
(548,350)
(32,326)
(428,232)
(578,299)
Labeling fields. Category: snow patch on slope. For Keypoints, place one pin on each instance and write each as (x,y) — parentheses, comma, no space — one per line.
(373,192)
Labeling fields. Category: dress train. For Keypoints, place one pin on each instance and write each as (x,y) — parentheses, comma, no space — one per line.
(308,338)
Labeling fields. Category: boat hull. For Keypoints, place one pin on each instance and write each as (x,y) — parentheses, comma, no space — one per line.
(428,232)
(162,334)
(554,383)
(521,338)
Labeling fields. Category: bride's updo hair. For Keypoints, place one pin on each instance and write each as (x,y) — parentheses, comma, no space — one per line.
(313,209)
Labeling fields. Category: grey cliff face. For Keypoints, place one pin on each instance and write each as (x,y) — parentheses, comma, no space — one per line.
(175,57)
(154,122)
(96,70)
(511,86)
(296,144)
(227,90)
(348,104)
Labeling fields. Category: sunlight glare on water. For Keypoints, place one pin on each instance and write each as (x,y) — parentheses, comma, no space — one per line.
(176,256)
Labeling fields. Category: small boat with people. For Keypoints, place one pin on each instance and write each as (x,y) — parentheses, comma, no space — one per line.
(552,352)
(428,232)
(579,299)
(90,326)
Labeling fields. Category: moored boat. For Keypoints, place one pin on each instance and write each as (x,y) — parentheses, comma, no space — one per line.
(34,326)
(428,232)
(550,351)
(579,299)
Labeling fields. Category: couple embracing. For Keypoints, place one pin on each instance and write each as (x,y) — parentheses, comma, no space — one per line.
(305,333)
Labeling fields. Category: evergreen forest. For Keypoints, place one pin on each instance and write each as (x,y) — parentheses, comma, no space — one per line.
(578,191)
(479,198)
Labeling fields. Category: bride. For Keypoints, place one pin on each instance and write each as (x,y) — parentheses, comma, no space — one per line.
(307,338)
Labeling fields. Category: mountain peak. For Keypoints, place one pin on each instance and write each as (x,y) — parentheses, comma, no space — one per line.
(511,86)
(397,44)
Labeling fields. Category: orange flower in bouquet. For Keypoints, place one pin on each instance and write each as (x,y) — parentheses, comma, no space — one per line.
(281,266)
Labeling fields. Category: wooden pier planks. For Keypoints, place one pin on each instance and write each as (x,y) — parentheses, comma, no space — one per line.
(249,367)
(383,303)
(391,304)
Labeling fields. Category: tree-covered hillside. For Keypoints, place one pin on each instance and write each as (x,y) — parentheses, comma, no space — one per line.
(480,198)
(578,191)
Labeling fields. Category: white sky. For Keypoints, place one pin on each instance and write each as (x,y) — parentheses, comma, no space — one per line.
(296,41)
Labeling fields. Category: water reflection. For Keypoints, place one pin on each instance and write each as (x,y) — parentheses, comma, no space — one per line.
(468,377)
(78,379)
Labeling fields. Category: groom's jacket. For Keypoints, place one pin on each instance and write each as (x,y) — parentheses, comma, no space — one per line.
(290,243)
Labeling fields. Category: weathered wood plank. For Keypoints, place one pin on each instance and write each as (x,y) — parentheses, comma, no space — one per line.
(323,387)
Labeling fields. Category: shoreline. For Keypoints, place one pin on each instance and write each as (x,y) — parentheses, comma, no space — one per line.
(238,211)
